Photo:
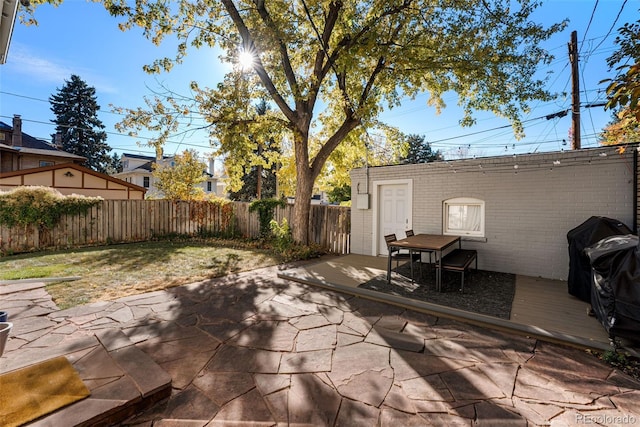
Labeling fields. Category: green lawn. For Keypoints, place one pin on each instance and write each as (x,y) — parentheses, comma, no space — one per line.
(109,272)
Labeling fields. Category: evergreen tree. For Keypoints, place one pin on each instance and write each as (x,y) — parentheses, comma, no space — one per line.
(248,191)
(418,151)
(114,165)
(76,110)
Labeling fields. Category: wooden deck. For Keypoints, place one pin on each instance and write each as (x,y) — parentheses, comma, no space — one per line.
(546,304)
(541,307)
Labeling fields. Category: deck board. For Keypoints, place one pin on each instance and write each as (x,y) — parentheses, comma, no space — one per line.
(547,304)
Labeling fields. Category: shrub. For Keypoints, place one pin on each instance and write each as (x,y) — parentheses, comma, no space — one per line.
(301,252)
(282,242)
(282,239)
(265,209)
(40,206)
(227,219)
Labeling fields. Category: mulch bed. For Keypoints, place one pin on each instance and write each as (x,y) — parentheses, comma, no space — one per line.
(485,292)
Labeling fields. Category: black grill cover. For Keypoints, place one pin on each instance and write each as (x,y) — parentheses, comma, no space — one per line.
(586,234)
(615,292)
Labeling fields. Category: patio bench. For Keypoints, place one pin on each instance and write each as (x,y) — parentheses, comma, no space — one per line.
(459,260)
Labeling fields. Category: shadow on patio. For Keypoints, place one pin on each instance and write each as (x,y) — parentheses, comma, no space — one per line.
(541,308)
(254,349)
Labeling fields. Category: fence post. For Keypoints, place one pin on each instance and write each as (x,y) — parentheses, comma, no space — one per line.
(128,221)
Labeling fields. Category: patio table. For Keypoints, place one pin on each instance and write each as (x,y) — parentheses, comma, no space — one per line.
(429,242)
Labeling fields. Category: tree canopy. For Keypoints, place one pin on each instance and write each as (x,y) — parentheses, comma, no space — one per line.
(624,90)
(624,128)
(330,67)
(416,150)
(77,124)
(260,166)
(180,180)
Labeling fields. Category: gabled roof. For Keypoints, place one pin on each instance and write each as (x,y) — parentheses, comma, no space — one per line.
(34,145)
(143,168)
(138,156)
(29,141)
(76,167)
(148,166)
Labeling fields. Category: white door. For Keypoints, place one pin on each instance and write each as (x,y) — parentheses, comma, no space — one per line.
(393,213)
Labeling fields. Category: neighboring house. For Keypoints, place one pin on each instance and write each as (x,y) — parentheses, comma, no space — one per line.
(25,160)
(316,199)
(138,170)
(515,211)
(70,178)
(19,150)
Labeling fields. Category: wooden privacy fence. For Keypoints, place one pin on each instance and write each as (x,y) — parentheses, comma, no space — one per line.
(329,226)
(121,221)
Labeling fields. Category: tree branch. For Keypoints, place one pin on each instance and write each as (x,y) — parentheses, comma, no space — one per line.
(349,41)
(349,124)
(258,67)
(379,67)
(282,47)
(372,78)
(320,71)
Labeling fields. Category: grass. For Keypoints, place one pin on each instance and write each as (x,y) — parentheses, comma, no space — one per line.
(110,272)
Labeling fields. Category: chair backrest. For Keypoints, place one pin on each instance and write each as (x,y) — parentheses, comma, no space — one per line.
(390,238)
(409,233)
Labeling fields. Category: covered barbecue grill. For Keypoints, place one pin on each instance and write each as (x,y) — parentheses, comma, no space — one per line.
(586,234)
(615,289)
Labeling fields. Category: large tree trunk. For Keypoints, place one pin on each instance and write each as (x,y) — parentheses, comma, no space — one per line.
(304,186)
(302,207)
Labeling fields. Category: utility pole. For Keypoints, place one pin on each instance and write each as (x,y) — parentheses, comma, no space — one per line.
(575,91)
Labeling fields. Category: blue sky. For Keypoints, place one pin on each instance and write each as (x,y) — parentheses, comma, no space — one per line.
(81,38)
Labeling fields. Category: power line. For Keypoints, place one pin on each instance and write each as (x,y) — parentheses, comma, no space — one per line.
(591,51)
(593,12)
(101,111)
(548,117)
(111,133)
(612,25)
(557,114)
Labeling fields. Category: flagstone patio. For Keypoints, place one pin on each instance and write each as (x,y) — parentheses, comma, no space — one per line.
(257,349)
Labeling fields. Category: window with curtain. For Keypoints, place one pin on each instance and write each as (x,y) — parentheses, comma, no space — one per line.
(463,217)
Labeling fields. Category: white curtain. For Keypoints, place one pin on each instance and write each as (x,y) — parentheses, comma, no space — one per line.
(465,217)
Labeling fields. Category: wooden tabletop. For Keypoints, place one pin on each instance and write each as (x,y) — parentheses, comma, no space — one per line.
(434,242)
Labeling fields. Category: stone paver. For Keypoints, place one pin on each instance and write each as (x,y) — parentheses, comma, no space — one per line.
(255,349)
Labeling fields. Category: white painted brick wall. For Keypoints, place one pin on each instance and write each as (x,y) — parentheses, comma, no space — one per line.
(527,214)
